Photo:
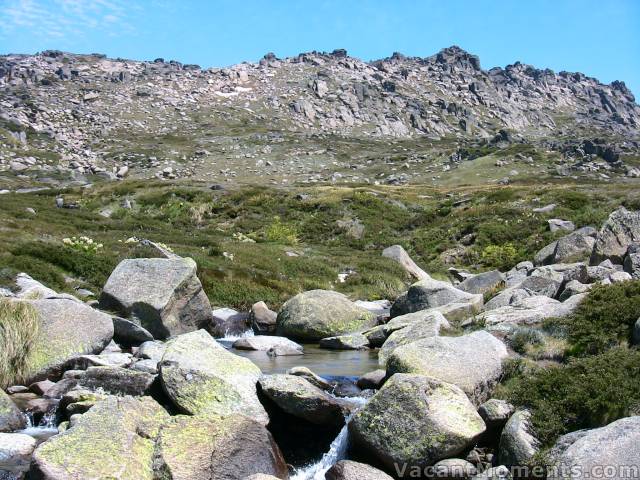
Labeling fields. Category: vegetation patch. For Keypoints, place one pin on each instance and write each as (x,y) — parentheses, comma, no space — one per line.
(19,329)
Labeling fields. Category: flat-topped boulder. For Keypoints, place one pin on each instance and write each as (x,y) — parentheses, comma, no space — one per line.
(164,294)
(318,314)
(233,447)
(266,343)
(473,362)
(202,378)
(415,421)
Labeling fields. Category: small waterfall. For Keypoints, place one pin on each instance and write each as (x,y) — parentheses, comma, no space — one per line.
(45,428)
(337,449)
(230,338)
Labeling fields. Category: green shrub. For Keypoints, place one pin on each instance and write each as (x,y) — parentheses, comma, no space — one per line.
(604,319)
(585,393)
(279,232)
(502,257)
(19,329)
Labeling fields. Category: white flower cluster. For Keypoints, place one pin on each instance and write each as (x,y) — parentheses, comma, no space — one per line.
(241,237)
(83,244)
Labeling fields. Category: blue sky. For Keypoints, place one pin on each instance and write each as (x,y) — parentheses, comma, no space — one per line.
(600,38)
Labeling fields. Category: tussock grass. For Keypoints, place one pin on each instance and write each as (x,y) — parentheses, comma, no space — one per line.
(19,329)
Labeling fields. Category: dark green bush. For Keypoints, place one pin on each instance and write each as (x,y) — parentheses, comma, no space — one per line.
(604,319)
(585,393)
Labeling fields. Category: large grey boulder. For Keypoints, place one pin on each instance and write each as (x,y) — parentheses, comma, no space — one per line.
(539,285)
(573,248)
(10,417)
(15,453)
(203,378)
(298,397)
(114,439)
(430,294)
(409,328)
(517,444)
(229,322)
(556,224)
(318,314)
(621,229)
(220,448)
(454,469)
(415,421)
(483,282)
(473,362)
(350,470)
(400,255)
(546,254)
(68,329)
(164,294)
(614,448)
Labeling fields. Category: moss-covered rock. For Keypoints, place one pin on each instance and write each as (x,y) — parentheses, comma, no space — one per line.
(203,378)
(473,362)
(409,328)
(415,421)
(216,448)
(115,439)
(10,417)
(67,329)
(298,397)
(318,314)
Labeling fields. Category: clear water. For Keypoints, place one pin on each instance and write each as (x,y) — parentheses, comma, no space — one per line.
(323,362)
(45,429)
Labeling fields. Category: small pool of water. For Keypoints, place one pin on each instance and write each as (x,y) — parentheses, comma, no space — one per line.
(326,363)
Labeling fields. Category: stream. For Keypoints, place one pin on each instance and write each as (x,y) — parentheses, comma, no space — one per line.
(329,364)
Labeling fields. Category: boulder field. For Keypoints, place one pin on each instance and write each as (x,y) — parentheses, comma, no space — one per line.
(137,387)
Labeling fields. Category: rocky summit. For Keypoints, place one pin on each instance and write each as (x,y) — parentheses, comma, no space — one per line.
(315,117)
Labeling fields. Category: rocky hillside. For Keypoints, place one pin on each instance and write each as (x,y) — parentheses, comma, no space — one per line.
(316,117)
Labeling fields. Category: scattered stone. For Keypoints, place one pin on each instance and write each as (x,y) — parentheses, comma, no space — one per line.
(129,333)
(556,224)
(118,381)
(430,294)
(229,322)
(10,417)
